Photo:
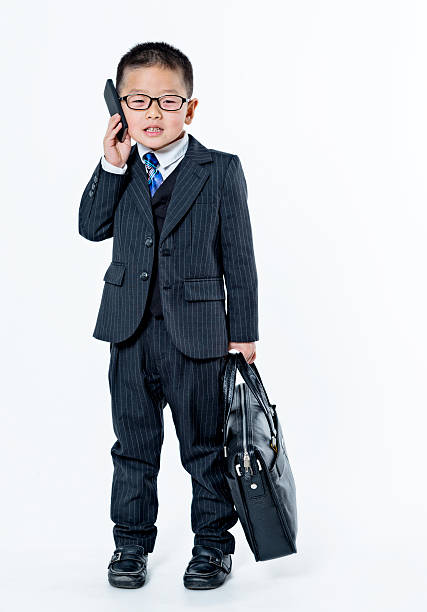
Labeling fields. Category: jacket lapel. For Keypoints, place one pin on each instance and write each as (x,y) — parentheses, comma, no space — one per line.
(138,184)
(191,177)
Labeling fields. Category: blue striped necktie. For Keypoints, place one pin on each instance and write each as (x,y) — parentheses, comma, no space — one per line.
(155,179)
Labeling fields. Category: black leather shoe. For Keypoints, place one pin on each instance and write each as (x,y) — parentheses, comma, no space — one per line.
(208,568)
(128,567)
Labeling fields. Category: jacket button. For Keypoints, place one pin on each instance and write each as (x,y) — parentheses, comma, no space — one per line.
(166,251)
(148,242)
(144,275)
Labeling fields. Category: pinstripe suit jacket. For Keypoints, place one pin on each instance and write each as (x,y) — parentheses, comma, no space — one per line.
(206,239)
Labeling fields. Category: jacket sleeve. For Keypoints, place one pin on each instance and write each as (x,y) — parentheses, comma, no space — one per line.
(238,257)
(98,203)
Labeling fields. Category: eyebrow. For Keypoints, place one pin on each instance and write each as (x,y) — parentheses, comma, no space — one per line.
(163,91)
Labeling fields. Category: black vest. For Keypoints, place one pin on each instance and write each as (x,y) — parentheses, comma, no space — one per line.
(159,204)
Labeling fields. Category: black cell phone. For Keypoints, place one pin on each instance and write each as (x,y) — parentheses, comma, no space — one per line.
(114,106)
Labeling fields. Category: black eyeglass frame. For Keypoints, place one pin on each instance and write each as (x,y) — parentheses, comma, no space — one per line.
(125,98)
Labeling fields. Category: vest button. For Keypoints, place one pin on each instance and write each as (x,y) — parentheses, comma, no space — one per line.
(144,275)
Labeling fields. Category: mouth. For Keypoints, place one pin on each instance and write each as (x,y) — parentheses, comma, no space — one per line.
(153,130)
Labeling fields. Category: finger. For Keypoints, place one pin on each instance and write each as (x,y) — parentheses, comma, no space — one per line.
(114,118)
(111,134)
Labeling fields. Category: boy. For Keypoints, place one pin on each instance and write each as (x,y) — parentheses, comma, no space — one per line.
(179,216)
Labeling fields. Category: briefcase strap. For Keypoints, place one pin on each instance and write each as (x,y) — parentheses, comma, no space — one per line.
(254,382)
(252,378)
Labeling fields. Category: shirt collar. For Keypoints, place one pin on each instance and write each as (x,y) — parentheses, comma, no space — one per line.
(167,154)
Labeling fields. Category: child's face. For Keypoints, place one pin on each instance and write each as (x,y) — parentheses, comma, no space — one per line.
(156,81)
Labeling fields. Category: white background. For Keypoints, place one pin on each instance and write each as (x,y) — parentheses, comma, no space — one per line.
(325,104)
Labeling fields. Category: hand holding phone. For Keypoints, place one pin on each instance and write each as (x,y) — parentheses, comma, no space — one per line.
(117,143)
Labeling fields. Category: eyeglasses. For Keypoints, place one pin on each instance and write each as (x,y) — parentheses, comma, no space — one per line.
(143,101)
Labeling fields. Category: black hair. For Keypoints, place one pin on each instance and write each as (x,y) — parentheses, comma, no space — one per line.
(157,53)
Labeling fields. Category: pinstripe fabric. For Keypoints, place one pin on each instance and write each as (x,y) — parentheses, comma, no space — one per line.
(206,240)
(146,372)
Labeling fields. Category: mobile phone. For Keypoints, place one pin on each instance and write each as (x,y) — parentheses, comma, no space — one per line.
(114,106)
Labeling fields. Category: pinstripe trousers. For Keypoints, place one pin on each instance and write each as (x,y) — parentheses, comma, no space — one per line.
(146,372)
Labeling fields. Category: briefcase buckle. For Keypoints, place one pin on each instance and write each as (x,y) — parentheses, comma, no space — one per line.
(238,466)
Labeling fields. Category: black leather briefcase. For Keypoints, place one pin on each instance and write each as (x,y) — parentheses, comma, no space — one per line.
(257,467)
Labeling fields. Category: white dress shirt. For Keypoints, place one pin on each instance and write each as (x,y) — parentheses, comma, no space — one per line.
(169,157)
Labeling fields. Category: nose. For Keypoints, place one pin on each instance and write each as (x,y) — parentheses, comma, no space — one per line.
(154,110)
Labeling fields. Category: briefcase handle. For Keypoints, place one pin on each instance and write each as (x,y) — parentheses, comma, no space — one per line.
(250,369)
(252,378)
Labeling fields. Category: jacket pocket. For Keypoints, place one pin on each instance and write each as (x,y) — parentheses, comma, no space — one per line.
(115,273)
(196,289)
